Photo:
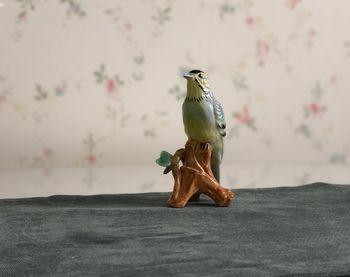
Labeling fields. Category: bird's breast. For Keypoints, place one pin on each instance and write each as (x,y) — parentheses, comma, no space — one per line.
(199,120)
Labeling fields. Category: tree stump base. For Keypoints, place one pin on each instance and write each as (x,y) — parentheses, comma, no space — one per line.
(195,176)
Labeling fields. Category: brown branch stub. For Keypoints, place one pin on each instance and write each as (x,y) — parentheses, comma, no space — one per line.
(195,176)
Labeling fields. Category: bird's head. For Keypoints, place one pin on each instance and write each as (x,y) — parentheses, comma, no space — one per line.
(197,83)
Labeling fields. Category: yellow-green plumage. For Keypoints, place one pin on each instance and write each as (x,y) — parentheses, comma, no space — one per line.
(203,117)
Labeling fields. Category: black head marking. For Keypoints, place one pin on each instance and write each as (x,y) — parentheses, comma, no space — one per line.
(195,71)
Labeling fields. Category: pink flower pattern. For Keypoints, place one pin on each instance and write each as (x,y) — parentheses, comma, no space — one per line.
(2,100)
(91,159)
(262,48)
(292,3)
(111,84)
(250,21)
(316,109)
(244,117)
(128,26)
(48,153)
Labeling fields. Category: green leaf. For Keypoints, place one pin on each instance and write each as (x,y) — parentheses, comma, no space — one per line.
(40,93)
(164,159)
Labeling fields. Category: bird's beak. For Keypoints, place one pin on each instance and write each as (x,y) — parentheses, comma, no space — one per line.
(187,76)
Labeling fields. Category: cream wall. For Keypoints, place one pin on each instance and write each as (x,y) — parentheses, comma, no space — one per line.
(98,83)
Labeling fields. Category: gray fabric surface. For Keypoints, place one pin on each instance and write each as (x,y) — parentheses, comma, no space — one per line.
(300,231)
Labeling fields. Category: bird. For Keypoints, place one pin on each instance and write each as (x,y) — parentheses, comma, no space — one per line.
(203,117)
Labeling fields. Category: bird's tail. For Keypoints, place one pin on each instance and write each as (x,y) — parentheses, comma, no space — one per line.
(215,168)
(216,158)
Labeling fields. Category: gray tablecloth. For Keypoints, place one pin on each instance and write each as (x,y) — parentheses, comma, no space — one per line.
(299,231)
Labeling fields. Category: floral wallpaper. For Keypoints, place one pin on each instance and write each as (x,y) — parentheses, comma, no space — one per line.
(92,84)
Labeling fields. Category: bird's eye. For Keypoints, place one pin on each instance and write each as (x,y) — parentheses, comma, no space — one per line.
(200,75)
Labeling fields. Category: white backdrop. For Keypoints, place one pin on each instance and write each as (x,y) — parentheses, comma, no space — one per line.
(97,84)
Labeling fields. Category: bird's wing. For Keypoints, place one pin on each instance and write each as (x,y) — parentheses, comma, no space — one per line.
(219,117)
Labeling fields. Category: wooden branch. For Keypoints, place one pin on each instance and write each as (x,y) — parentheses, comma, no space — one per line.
(195,176)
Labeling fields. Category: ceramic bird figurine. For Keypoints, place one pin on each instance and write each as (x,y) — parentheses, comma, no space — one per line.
(203,117)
